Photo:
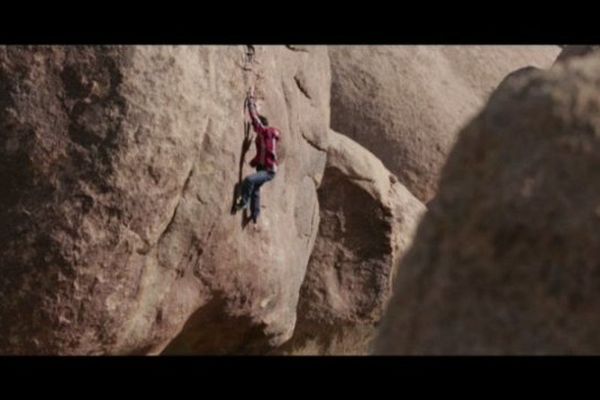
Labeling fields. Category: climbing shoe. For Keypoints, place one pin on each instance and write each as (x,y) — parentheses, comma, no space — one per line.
(241,205)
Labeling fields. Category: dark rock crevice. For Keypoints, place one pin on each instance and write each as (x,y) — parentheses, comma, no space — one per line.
(296,48)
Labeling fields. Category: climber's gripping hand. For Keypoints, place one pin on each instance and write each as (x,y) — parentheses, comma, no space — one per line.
(250,95)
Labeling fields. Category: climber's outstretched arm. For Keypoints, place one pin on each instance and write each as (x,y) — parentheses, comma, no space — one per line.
(256,123)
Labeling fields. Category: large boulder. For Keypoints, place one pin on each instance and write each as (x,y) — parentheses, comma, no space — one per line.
(118,166)
(367,222)
(506,258)
(406,104)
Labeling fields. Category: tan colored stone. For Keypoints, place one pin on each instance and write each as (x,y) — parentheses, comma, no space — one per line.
(367,222)
(406,104)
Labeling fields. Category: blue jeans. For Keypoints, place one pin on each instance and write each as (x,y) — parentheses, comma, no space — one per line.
(251,189)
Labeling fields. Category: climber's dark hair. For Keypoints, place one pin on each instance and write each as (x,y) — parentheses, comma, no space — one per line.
(263,120)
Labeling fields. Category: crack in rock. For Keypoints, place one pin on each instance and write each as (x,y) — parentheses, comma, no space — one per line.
(294,48)
(180,198)
(313,144)
(301,87)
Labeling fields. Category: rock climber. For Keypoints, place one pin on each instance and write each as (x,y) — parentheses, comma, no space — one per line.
(265,160)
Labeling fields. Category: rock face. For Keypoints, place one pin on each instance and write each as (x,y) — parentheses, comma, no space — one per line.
(407,103)
(118,166)
(506,259)
(367,221)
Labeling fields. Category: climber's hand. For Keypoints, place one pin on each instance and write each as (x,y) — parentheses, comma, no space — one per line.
(252,88)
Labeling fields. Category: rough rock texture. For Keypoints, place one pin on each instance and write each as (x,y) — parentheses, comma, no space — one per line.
(506,259)
(406,104)
(368,219)
(118,166)
(574,51)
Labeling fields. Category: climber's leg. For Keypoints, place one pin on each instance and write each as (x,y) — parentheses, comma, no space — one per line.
(261,178)
(247,188)
(255,206)
(250,184)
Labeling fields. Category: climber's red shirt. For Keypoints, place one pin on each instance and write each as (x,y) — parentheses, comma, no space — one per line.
(266,143)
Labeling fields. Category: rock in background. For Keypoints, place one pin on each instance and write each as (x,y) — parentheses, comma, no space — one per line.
(506,259)
(367,222)
(406,104)
(575,51)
